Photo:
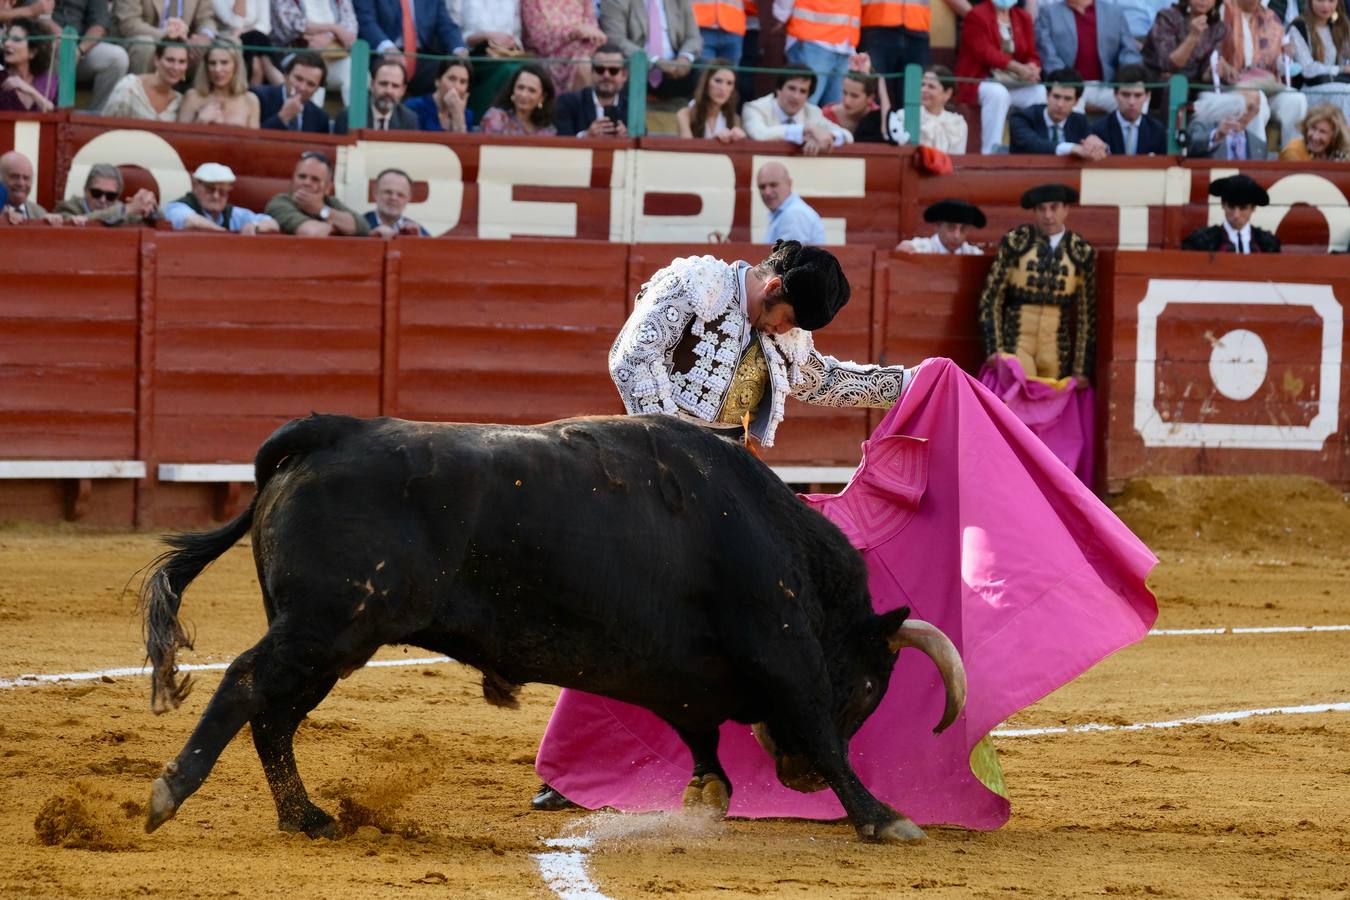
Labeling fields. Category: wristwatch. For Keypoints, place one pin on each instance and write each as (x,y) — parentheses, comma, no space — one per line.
(325,213)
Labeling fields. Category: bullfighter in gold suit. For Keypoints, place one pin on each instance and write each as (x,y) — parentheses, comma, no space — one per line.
(1040,297)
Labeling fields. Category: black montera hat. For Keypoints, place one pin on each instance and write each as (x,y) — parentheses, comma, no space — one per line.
(1049,193)
(1239,190)
(955,211)
(813,282)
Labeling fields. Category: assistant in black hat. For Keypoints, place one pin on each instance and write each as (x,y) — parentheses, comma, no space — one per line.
(955,219)
(1241,195)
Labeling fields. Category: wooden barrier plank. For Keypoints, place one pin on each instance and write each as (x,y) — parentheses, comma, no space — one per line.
(932,308)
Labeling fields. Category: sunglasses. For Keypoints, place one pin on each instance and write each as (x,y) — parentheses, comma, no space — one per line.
(607,70)
(102,195)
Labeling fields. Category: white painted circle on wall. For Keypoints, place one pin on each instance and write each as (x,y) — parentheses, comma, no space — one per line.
(1238,364)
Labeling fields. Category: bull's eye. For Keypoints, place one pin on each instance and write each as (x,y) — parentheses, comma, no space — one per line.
(870,686)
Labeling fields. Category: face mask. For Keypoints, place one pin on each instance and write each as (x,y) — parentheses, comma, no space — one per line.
(1004,4)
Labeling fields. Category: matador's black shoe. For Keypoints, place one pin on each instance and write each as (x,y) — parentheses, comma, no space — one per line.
(549,800)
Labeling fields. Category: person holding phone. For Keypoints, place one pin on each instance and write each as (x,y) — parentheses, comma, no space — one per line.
(602,109)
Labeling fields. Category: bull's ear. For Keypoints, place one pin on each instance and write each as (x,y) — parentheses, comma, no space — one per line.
(888,624)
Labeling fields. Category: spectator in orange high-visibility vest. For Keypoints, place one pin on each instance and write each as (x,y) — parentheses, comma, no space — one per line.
(895,33)
(822,35)
(722,25)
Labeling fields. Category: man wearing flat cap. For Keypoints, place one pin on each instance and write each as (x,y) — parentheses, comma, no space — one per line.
(725,343)
(955,219)
(1241,195)
(1040,297)
(207,206)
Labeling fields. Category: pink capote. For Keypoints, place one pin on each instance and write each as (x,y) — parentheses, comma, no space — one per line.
(966,517)
(1061,417)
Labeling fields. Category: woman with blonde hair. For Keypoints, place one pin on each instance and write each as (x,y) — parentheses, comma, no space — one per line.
(1325,136)
(713,111)
(220,94)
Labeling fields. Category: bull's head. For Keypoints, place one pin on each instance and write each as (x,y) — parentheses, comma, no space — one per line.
(861,682)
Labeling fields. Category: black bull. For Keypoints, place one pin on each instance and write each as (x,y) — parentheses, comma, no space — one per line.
(642,558)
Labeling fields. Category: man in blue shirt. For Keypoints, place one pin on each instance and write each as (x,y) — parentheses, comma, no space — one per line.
(207,207)
(790,218)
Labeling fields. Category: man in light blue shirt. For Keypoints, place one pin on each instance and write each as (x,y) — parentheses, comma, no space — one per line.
(790,218)
(207,207)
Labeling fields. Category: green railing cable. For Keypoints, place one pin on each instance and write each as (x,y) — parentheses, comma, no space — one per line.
(913,80)
(1178,91)
(70,44)
(360,85)
(639,67)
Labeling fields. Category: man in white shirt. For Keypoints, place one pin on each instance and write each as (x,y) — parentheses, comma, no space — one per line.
(1241,195)
(790,218)
(955,219)
(785,115)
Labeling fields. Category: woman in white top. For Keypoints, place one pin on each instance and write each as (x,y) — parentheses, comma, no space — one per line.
(220,94)
(151,96)
(939,127)
(1320,43)
(495,23)
(713,111)
(250,23)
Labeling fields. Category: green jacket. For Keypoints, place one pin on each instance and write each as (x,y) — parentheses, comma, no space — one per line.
(290,217)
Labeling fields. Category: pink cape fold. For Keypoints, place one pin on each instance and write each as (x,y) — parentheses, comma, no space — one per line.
(1062,418)
(966,517)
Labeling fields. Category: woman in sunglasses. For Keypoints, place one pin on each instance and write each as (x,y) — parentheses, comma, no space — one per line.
(28,65)
(220,94)
(714,111)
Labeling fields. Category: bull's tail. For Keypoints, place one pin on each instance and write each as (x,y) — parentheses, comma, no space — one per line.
(162,592)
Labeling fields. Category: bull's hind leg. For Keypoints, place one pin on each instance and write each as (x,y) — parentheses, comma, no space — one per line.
(709,790)
(273,738)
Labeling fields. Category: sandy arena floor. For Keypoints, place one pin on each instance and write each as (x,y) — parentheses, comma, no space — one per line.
(434,782)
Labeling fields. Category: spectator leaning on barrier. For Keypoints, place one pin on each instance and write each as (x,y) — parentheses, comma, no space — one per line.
(220,94)
(1325,136)
(1240,195)
(152,97)
(1039,303)
(290,106)
(16,171)
(790,218)
(1183,39)
(383,25)
(1224,127)
(601,109)
(385,112)
(1129,131)
(327,28)
(787,115)
(27,54)
(148,21)
(393,190)
(207,206)
(1091,37)
(672,43)
(998,48)
(1053,128)
(955,219)
(101,202)
(310,209)
(446,108)
(524,106)
(101,63)
(714,112)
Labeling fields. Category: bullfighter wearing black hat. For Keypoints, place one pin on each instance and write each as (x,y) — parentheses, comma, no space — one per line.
(1040,297)
(1241,195)
(955,219)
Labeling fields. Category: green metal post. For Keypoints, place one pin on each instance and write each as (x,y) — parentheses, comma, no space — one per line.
(360,92)
(913,78)
(65,75)
(639,67)
(1178,90)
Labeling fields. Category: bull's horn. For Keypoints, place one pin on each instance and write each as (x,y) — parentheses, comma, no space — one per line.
(936,646)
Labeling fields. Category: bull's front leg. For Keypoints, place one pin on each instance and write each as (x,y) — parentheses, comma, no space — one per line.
(709,790)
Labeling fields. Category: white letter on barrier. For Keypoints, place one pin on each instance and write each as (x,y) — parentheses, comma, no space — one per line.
(1133,191)
(710,176)
(810,178)
(501,168)
(436,164)
(1319,193)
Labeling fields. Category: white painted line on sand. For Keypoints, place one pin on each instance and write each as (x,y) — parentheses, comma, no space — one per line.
(1265,629)
(1206,719)
(564,869)
(126,671)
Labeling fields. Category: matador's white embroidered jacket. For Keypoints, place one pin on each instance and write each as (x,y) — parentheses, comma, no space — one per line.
(679,350)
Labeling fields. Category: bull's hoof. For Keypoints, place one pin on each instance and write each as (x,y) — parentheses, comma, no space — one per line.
(548,799)
(314,823)
(900,831)
(707,794)
(162,805)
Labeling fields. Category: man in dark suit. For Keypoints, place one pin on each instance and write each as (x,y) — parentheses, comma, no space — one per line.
(1129,131)
(1241,195)
(287,107)
(386,112)
(1052,127)
(380,23)
(582,112)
